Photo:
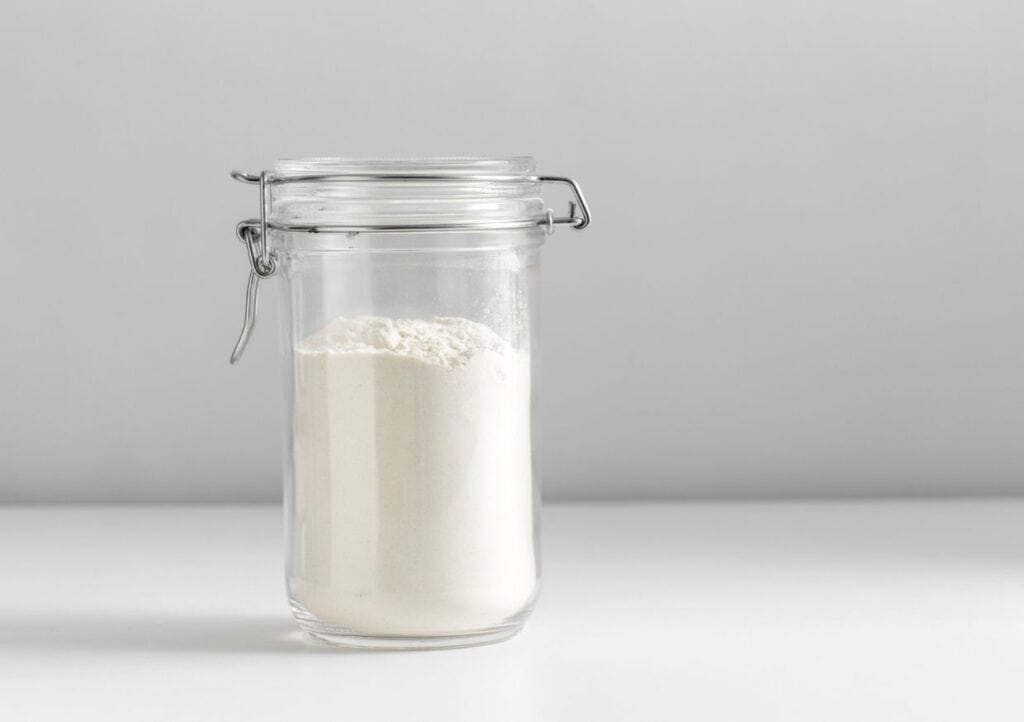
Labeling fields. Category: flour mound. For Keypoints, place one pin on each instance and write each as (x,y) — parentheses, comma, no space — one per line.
(441,340)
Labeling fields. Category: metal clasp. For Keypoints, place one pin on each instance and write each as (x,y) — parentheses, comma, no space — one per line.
(262,263)
(578,222)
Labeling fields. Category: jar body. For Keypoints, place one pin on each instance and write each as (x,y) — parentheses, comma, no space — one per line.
(411,492)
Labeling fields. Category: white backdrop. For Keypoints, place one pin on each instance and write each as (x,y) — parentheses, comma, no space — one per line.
(803,277)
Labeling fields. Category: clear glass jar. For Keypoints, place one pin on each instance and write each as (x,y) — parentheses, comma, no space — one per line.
(410,346)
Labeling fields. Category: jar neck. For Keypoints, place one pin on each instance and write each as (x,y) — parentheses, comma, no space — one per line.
(290,243)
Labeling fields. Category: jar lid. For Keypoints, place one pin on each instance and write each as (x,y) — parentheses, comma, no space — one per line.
(339,195)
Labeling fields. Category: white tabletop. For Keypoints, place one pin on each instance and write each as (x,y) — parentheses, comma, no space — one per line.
(776,611)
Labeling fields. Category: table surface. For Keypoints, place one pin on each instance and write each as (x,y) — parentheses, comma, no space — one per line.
(861,611)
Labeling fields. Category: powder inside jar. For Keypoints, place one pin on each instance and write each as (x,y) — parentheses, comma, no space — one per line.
(413,478)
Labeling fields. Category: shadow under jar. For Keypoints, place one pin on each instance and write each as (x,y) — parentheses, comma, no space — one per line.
(410,346)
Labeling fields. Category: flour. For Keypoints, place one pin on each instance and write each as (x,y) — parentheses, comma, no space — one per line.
(413,477)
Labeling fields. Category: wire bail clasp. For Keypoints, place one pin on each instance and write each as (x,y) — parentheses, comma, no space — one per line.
(262,262)
(577,222)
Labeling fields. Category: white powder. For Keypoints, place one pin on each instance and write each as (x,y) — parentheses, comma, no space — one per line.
(413,478)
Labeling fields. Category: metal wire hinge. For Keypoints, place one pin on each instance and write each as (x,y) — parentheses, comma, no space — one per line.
(254,232)
(578,221)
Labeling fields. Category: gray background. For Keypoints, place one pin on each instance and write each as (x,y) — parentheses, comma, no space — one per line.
(804,276)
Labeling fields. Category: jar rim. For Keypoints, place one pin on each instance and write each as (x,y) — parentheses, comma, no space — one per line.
(490,167)
(408,194)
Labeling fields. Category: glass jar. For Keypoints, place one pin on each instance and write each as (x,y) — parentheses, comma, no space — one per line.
(409,321)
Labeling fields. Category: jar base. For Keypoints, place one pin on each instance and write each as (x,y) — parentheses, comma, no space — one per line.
(343,637)
(359,641)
